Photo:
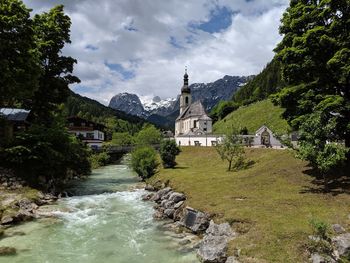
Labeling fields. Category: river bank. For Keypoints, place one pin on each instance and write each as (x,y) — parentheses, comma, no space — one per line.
(105,221)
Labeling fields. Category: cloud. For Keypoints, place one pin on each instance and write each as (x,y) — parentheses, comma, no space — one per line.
(142,46)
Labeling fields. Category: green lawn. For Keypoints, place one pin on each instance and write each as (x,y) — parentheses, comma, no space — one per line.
(253,117)
(270,203)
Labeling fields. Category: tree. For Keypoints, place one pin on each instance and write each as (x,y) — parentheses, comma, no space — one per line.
(148,135)
(144,161)
(231,150)
(122,139)
(19,69)
(315,59)
(52,32)
(168,152)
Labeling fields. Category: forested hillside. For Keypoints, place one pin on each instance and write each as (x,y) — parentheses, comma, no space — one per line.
(269,81)
(92,110)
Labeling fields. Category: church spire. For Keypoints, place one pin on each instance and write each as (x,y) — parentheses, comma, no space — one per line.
(185,88)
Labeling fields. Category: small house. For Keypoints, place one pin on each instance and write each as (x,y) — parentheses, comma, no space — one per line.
(93,134)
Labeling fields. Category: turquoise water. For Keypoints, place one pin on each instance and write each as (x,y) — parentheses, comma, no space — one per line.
(105,222)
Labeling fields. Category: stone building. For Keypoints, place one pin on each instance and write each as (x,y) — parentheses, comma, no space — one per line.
(193,119)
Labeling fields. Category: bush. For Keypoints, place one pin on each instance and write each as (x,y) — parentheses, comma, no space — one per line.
(321,229)
(99,159)
(168,152)
(144,161)
(50,153)
(148,135)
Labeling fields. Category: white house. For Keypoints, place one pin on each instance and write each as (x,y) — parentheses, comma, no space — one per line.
(90,132)
(193,119)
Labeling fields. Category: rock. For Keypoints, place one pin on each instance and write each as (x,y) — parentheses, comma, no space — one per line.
(231,260)
(342,244)
(338,229)
(220,230)
(158,215)
(6,220)
(150,188)
(178,214)
(178,205)
(169,212)
(177,197)
(7,251)
(158,196)
(184,242)
(195,220)
(147,197)
(27,205)
(213,248)
(167,204)
(166,196)
(317,258)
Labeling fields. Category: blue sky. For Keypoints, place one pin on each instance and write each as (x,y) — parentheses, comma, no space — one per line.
(143,46)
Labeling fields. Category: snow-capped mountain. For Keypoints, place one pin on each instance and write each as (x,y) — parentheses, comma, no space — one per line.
(154,108)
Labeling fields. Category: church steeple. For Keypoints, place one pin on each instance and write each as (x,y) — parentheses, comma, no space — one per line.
(185,88)
(185,98)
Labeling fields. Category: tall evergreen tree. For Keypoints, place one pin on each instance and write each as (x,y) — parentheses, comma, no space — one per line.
(315,58)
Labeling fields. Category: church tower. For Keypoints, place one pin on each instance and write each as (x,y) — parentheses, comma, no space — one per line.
(185,98)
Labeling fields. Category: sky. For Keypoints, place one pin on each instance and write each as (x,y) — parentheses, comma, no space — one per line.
(143,46)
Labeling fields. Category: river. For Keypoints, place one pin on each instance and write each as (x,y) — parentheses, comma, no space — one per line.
(105,222)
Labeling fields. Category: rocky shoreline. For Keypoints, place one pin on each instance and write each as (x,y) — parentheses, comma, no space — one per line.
(215,237)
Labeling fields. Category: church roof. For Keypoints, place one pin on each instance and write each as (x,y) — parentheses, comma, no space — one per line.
(196,109)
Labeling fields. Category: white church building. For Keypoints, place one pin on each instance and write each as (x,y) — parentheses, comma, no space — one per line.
(193,126)
(193,121)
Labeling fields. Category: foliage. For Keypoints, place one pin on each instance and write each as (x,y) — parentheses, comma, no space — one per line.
(99,159)
(48,152)
(168,152)
(222,109)
(144,161)
(19,68)
(52,32)
(116,121)
(253,117)
(315,59)
(148,135)
(268,82)
(231,149)
(320,228)
(122,139)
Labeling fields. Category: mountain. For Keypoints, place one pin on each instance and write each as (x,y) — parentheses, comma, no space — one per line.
(92,110)
(164,112)
(128,103)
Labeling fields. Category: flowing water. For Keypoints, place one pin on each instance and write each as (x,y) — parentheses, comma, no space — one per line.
(105,221)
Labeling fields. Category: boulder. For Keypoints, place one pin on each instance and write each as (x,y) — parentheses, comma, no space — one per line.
(150,188)
(158,196)
(7,251)
(195,220)
(169,212)
(166,196)
(341,244)
(158,215)
(178,205)
(27,205)
(6,220)
(147,197)
(231,260)
(177,197)
(338,229)
(167,204)
(317,258)
(213,248)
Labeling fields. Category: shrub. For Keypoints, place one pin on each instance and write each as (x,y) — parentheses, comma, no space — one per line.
(168,152)
(148,135)
(321,229)
(144,161)
(99,159)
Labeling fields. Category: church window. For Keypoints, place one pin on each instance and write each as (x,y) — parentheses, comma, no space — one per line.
(194,124)
(186,100)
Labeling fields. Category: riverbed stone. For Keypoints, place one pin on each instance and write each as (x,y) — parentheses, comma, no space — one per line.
(194,220)
(177,197)
(213,248)
(342,244)
(167,204)
(231,260)
(150,188)
(178,205)
(317,258)
(158,196)
(6,219)
(169,212)
(338,229)
(7,251)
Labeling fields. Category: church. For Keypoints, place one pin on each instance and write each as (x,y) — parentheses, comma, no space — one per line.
(193,119)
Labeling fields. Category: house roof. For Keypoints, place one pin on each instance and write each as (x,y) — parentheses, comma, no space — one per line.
(12,114)
(196,109)
(77,120)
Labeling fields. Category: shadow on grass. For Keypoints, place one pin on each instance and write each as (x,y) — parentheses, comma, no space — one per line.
(179,168)
(337,183)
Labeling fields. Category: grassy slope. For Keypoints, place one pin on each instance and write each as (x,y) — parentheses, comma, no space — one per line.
(270,203)
(253,117)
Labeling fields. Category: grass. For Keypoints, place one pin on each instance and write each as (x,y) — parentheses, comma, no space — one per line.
(270,204)
(253,117)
